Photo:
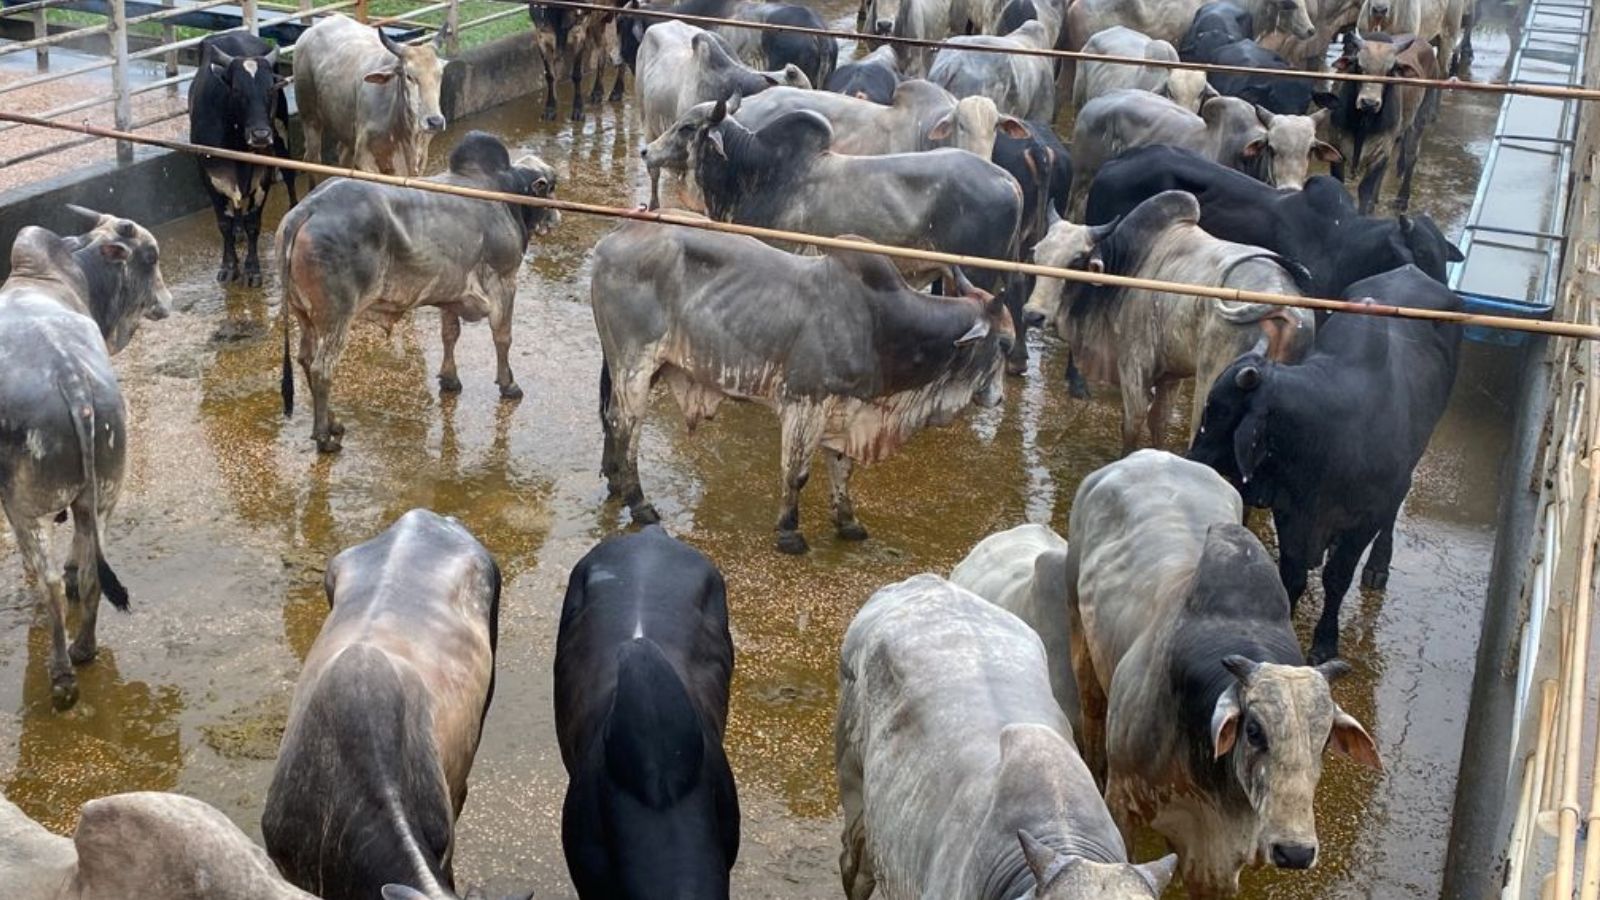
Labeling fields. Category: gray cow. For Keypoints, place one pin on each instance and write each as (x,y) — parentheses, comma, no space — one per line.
(680,65)
(1148,341)
(385,721)
(1024,571)
(852,360)
(1021,86)
(950,751)
(137,845)
(923,115)
(1276,149)
(355,247)
(375,102)
(69,304)
(1185,87)
(1167,20)
(1200,717)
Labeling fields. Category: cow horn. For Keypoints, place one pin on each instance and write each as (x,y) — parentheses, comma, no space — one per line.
(1333,670)
(1241,667)
(719,112)
(220,58)
(978,331)
(272,58)
(1353,41)
(391,45)
(1264,116)
(88,215)
(439,37)
(1098,233)
(1248,378)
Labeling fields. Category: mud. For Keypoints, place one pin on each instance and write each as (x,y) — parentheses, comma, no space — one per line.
(229,515)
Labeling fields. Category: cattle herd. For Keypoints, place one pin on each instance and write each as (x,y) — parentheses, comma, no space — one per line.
(1000,733)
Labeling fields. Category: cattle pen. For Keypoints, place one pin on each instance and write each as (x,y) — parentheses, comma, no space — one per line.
(1474,670)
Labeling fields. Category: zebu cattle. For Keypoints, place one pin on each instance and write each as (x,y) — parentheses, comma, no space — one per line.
(576,40)
(355,247)
(1185,87)
(1331,18)
(69,304)
(1167,20)
(1275,149)
(1439,22)
(1318,228)
(1221,33)
(936,802)
(851,359)
(920,115)
(372,772)
(872,77)
(1021,86)
(236,103)
(1147,341)
(813,55)
(1329,444)
(1024,572)
(643,660)
(933,20)
(1375,124)
(785,176)
(1200,717)
(681,66)
(137,845)
(374,101)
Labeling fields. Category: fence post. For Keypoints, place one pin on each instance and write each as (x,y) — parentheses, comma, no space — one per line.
(119,75)
(305,7)
(452,28)
(252,21)
(169,33)
(40,29)
(361,11)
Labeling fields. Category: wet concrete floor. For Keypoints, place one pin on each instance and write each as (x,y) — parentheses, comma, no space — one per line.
(229,515)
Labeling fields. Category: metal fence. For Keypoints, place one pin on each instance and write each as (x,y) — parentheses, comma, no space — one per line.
(253,16)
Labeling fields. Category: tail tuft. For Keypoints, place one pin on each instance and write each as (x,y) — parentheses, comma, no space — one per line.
(286,381)
(111,586)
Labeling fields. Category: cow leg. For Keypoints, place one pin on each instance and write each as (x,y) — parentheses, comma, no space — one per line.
(449,332)
(85,559)
(624,411)
(802,433)
(844,509)
(53,599)
(500,326)
(311,136)
(1160,412)
(1017,291)
(1092,702)
(1336,576)
(1375,575)
(1136,403)
(597,59)
(1464,53)
(577,83)
(619,86)
(1292,563)
(252,240)
(228,269)
(1367,192)
(317,358)
(549,82)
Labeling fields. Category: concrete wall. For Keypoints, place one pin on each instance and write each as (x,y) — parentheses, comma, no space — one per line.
(161,185)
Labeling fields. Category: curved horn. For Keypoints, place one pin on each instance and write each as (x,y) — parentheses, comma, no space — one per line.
(1098,233)
(219,57)
(1353,41)
(440,36)
(272,58)
(1241,667)
(88,215)
(391,45)
(1264,116)
(1248,378)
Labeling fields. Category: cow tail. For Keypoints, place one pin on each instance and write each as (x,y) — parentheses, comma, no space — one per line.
(80,409)
(286,373)
(605,389)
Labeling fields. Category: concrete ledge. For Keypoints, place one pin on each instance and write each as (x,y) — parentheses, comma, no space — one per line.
(162,185)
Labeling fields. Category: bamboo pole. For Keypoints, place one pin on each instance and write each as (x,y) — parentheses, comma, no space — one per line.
(690,220)
(1553,91)
(1522,832)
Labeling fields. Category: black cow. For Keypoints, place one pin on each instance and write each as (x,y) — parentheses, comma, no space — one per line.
(1373,123)
(1221,33)
(236,103)
(1329,444)
(872,77)
(1317,227)
(643,660)
(761,49)
(1043,168)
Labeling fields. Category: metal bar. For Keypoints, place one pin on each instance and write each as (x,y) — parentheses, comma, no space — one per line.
(1536,138)
(493,17)
(46,151)
(123,113)
(58,37)
(54,76)
(409,14)
(91,30)
(21,8)
(1544,235)
(174,81)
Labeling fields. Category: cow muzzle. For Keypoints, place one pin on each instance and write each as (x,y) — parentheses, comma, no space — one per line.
(1294,856)
(1369,104)
(433,123)
(259,138)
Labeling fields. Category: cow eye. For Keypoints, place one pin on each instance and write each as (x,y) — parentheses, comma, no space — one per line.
(1254,733)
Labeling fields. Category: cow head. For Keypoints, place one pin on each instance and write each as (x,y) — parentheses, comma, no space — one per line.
(1186,87)
(1059,876)
(1375,15)
(972,127)
(1427,245)
(1287,16)
(484,160)
(417,73)
(112,271)
(1374,54)
(990,339)
(253,92)
(1285,152)
(1232,437)
(1067,245)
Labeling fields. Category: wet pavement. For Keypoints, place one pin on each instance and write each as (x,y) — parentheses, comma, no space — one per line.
(229,515)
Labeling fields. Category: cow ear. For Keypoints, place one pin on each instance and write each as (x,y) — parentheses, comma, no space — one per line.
(218,72)
(1040,858)
(1326,152)
(1159,874)
(1406,70)
(381,76)
(1343,63)
(401,892)
(942,129)
(714,138)
(1250,443)
(1349,738)
(1096,264)
(1453,253)
(1013,128)
(1225,722)
(113,252)
(1255,148)
(978,331)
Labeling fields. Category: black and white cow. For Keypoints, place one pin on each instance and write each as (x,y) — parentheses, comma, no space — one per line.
(1329,444)
(1221,33)
(69,304)
(1375,124)
(813,55)
(236,103)
(853,361)
(385,721)
(643,660)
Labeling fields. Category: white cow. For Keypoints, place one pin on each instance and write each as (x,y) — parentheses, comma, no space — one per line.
(922,116)
(1185,87)
(1021,86)
(680,65)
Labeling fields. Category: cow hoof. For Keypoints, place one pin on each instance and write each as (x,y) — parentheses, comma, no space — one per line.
(226,274)
(595,97)
(449,384)
(329,444)
(510,392)
(577,114)
(1321,652)
(1374,579)
(792,543)
(252,279)
(550,113)
(645,514)
(82,654)
(64,692)
(616,96)
(852,531)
